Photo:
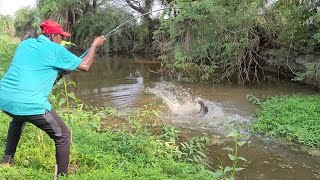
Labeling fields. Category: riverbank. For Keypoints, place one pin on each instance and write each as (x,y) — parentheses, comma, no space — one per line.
(295,118)
(127,153)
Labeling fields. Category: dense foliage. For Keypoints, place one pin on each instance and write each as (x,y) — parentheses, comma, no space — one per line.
(27,22)
(295,118)
(7,26)
(217,40)
(95,24)
(87,19)
(293,26)
(211,40)
(7,48)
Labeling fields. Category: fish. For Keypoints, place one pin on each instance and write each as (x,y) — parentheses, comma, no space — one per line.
(203,108)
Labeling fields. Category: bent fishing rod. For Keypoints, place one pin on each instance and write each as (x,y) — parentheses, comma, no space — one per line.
(115,30)
(123,24)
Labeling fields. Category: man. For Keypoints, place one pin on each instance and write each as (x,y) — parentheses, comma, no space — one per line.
(25,87)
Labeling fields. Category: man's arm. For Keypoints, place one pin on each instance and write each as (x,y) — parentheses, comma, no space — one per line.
(87,60)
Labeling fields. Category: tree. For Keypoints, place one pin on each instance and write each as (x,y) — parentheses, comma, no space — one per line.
(26,22)
(144,7)
(6,26)
(65,12)
(211,40)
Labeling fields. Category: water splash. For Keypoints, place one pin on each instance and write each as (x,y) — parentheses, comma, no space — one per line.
(178,100)
(182,109)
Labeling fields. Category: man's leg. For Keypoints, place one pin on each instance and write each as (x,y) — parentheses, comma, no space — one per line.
(14,134)
(52,124)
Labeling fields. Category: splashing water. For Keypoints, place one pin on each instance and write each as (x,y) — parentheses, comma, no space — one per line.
(178,100)
(184,107)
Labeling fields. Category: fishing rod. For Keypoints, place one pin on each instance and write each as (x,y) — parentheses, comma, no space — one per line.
(120,28)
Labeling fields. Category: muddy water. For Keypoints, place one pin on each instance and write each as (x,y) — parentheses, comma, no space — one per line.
(127,83)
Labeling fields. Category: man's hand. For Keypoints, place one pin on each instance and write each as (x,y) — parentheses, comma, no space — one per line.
(98,41)
(88,58)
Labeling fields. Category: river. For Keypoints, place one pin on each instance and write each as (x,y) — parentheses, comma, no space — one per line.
(127,83)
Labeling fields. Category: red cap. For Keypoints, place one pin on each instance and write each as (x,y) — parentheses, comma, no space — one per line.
(51,27)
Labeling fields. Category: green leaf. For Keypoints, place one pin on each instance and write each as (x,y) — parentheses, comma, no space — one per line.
(242,158)
(233,133)
(72,83)
(217,173)
(227,169)
(65,43)
(238,169)
(241,143)
(202,154)
(232,157)
(62,101)
(72,95)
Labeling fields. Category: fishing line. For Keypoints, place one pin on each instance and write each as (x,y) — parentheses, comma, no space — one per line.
(120,29)
(120,26)
(112,32)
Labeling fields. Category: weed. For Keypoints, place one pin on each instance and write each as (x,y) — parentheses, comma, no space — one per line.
(122,154)
(229,172)
(253,99)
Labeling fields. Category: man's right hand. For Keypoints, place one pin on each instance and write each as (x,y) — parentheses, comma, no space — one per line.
(88,58)
(99,41)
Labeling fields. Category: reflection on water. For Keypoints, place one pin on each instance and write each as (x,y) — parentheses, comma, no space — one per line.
(117,82)
(125,94)
(121,82)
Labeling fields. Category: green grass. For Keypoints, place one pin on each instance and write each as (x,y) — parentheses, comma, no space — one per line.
(127,153)
(296,118)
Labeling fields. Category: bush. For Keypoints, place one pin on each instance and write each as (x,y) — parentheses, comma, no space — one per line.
(296,118)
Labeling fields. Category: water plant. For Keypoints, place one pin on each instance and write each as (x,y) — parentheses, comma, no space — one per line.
(253,99)
(296,118)
(193,150)
(229,172)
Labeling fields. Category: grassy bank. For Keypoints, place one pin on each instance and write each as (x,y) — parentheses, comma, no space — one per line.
(131,152)
(296,118)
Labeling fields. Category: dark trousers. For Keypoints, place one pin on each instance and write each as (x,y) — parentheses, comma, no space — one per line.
(51,123)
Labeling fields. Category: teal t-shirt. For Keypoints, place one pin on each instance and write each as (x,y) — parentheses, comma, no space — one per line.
(25,87)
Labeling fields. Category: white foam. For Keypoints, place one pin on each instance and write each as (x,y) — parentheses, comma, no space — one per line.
(183,108)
